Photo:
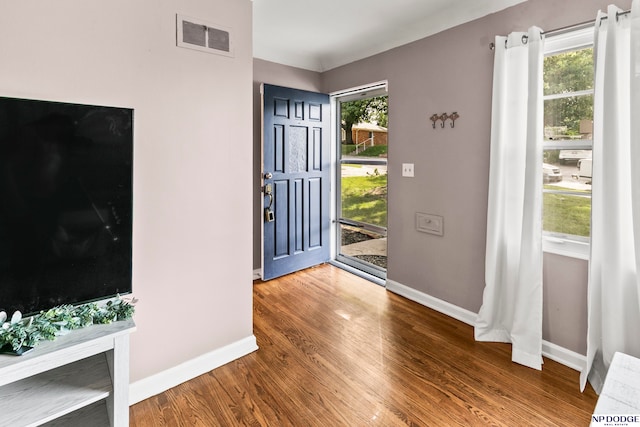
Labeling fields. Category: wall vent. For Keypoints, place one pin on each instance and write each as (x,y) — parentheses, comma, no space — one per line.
(197,34)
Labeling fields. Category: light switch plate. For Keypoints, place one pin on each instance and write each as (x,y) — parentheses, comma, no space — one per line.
(429,223)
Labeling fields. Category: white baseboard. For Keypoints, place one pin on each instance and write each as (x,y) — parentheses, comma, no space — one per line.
(162,381)
(257,274)
(436,304)
(571,359)
(550,350)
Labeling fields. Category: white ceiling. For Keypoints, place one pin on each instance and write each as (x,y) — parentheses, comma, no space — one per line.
(320,35)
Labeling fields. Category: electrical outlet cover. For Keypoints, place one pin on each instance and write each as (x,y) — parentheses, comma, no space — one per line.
(407,169)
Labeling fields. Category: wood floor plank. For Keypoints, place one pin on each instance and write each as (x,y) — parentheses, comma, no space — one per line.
(337,350)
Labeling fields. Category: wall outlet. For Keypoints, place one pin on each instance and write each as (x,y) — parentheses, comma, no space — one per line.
(407,169)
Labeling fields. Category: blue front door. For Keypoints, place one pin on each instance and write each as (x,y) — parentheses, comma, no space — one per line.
(296,180)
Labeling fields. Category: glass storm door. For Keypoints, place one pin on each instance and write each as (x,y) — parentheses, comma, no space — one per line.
(362,182)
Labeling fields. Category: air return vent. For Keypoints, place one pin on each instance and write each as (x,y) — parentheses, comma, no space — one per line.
(197,34)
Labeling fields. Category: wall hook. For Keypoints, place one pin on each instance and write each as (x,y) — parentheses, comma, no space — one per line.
(434,119)
(453,116)
(443,117)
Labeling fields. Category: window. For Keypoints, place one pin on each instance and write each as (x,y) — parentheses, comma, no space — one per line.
(568,126)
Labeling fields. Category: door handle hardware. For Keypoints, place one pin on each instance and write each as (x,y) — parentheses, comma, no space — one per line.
(268,213)
(268,191)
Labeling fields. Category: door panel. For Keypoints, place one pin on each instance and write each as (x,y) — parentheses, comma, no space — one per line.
(315,213)
(281,229)
(296,166)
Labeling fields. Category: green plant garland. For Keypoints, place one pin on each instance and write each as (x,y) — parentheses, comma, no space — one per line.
(19,333)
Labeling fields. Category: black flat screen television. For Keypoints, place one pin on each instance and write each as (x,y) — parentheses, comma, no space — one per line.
(66,203)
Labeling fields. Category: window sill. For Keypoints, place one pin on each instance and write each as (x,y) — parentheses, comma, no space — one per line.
(565,247)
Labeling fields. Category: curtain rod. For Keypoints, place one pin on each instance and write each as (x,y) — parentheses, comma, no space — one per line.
(572,27)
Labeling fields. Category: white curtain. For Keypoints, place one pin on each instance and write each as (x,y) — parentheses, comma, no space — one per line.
(512,302)
(614,297)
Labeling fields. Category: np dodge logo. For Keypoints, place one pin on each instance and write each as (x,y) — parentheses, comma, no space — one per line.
(615,420)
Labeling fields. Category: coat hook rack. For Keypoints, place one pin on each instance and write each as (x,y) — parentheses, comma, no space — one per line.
(443,118)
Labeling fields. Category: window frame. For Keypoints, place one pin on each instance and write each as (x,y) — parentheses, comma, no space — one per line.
(573,39)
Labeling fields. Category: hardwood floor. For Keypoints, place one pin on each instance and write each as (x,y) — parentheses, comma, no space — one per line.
(337,350)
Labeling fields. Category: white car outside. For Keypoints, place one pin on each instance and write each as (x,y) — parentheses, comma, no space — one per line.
(551,173)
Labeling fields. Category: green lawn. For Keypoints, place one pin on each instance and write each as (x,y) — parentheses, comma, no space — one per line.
(374,151)
(347,148)
(566,214)
(364,198)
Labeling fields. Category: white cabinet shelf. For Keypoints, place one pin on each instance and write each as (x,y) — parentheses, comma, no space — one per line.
(79,379)
(95,414)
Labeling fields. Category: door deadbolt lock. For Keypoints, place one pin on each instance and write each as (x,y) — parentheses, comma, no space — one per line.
(268,175)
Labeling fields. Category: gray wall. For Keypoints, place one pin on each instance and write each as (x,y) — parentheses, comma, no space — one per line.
(452,71)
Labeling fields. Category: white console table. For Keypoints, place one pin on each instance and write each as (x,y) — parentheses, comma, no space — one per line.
(79,379)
